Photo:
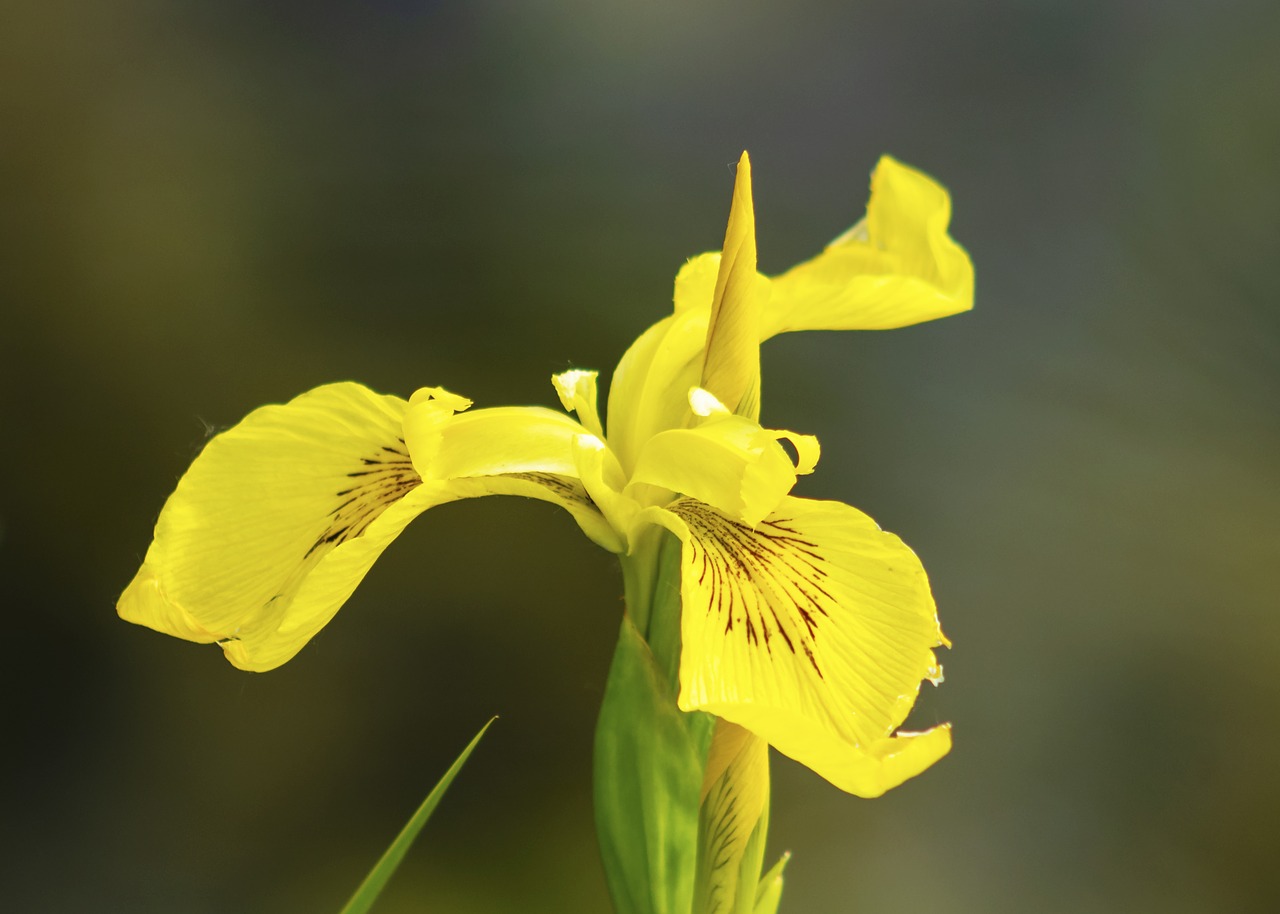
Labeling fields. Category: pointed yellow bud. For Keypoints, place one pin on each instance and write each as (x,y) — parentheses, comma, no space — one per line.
(733,819)
(731,364)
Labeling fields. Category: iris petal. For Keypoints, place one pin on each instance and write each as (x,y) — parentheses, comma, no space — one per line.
(280,518)
(315,488)
(652,381)
(895,268)
(508,450)
(814,631)
(726,461)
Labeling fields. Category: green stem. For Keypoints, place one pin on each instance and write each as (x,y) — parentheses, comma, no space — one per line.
(639,574)
(649,756)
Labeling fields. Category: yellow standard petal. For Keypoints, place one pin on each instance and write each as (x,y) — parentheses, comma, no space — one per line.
(276,522)
(731,363)
(814,631)
(653,377)
(652,381)
(896,267)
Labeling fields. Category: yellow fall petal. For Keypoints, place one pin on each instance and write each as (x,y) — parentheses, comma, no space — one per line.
(731,361)
(895,268)
(814,631)
(276,522)
(280,518)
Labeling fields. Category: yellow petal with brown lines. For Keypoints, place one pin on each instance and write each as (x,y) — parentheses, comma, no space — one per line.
(813,630)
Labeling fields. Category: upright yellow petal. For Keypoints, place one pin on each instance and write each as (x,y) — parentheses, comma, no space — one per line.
(896,267)
(276,522)
(731,362)
(814,631)
(650,386)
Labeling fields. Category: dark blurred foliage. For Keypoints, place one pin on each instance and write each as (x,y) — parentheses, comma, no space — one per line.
(206,207)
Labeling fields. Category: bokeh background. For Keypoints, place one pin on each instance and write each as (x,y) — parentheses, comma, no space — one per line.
(207,207)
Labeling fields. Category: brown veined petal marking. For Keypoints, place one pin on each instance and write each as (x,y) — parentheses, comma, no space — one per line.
(814,630)
(276,522)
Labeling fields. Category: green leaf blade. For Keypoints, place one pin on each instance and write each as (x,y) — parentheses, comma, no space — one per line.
(378,877)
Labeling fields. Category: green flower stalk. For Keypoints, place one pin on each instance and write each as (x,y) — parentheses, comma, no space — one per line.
(754,618)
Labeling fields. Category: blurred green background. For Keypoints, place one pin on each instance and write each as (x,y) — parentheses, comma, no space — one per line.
(206,207)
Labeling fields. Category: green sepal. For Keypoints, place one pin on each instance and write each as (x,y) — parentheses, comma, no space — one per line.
(649,759)
(769,892)
(382,871)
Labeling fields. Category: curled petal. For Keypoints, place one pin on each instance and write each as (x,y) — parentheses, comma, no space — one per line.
(807,451)
(895,268)
(814,631)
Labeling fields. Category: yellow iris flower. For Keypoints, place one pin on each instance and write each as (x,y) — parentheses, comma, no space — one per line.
(802,622)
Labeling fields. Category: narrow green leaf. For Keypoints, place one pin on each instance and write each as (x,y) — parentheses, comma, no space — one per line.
(377,879)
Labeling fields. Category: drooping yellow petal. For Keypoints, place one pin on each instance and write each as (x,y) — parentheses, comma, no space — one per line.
(813,631)
(734,808)
(896,267)
(276,522)
(280,518)
(731,360)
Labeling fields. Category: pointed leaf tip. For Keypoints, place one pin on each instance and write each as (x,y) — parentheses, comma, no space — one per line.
(382,872)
